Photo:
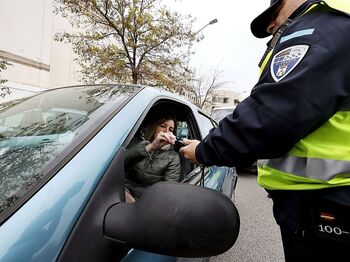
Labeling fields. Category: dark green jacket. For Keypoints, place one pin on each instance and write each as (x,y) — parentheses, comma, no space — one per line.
(144,169)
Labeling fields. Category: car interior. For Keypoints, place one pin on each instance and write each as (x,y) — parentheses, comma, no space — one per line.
(186,127)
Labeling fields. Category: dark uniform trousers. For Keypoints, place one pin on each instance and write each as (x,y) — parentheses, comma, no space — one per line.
(295,213)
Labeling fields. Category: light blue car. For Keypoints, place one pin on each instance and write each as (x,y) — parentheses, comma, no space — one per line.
(62,191)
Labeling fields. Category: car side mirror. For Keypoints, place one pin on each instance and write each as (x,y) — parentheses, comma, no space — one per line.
(175,219)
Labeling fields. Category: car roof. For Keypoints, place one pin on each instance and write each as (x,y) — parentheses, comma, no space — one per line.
(224,107)
(153,92)
(156,92)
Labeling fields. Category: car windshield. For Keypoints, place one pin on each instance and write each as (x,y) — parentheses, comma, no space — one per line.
(35,130)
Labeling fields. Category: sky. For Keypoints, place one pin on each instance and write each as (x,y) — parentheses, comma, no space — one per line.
(229,43)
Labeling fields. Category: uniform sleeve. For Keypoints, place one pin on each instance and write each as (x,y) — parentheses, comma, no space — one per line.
(174,169)
(278,114)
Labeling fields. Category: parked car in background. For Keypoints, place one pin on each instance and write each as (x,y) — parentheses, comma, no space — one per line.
(221,112)
(218,113)
(62,192)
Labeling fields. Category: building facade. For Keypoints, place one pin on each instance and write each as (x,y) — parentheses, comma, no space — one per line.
(225,97)
(38,62)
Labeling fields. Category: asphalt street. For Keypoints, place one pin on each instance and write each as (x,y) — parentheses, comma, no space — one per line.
(259,238)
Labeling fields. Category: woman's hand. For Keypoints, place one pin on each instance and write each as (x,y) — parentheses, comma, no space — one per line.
(162,138)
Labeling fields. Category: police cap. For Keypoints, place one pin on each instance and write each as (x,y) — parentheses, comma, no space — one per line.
(260,23)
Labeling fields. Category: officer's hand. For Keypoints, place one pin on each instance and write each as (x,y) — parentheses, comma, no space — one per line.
(189,151)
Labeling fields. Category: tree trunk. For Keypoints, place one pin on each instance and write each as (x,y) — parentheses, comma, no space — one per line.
(134,76)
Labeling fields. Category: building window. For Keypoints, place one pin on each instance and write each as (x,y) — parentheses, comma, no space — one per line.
(225,100)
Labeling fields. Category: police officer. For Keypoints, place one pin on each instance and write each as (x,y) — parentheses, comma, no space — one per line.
(297,119)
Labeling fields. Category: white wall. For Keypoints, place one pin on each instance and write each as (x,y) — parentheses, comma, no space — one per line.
(26,28)
(27,31)
(64,71)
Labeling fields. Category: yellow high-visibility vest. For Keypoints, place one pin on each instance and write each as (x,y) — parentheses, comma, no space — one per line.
(319,160)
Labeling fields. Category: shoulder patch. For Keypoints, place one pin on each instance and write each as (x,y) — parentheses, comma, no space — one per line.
(286,60)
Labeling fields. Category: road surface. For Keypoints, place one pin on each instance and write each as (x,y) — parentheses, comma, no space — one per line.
(259,238)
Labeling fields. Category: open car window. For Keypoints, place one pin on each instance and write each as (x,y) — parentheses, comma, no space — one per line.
(185,127)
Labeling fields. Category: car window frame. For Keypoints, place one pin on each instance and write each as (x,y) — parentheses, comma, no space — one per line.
(195,176)
(164,100)
(106,185)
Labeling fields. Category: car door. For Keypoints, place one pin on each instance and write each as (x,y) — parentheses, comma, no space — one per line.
(223,178)
(190,124)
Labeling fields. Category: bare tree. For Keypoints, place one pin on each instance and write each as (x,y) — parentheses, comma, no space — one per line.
(129,41)
(204,86)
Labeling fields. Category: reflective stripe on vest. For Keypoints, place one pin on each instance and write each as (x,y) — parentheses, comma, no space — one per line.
(323,157)
(319,160)
(321,169)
